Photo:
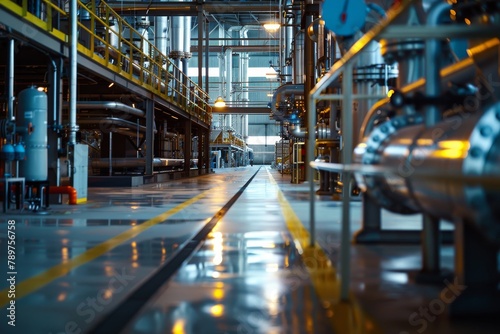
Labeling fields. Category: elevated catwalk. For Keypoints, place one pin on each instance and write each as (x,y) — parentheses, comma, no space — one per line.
(220,253)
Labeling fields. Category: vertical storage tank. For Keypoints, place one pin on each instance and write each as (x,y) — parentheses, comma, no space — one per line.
(32,118)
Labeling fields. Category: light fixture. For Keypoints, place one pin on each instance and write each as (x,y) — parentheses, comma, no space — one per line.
(219,102)
(111,85)
(271,73)
(271,26)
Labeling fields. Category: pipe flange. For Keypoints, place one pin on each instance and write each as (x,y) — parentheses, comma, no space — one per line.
(176,54)
(376,187)
(7,128)
(395,50)
(482,141)
(143,22)
(374,144)
(378,73)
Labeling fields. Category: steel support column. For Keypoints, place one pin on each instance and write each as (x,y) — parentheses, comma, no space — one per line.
(150,107)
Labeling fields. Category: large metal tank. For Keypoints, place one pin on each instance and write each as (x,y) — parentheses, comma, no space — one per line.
(32,119)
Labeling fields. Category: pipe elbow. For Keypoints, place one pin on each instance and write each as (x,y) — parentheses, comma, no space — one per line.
(65,190)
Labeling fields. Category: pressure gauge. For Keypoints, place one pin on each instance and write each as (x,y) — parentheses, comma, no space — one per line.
(344,17)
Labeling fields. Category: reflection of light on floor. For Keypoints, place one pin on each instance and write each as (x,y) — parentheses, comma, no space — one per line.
(272,295)
(401,278)
(218,294)
(135,254)
(178,327)
(403,262)
(61,297)
(108,293)
(163,252)
(218,248)
(64,254)
(217,310)
(109,270)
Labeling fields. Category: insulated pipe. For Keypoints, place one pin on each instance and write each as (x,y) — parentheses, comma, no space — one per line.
(54,139)
(281,53)
(116,106)
(66,190)
(142,25)
(73,54)
(10,85)
(244,78)
(285,90)
(433,54)
(187,51)
(113,121)
(287,70)
(298,58)
(245,127)
(229,74)
(161,34)
(244,59)
(177,40)
(187,36)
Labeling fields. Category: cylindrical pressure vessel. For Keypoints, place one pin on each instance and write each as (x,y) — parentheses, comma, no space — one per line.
(32,118)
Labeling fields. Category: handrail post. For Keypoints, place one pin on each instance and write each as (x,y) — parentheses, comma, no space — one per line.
(344,65)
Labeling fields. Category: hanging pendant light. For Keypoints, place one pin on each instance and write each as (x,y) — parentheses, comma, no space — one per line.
(219,102)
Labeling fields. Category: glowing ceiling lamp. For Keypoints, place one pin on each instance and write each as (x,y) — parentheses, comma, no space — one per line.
(272,26)
(219,102)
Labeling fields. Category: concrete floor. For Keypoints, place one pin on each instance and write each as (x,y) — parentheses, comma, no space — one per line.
(252,274)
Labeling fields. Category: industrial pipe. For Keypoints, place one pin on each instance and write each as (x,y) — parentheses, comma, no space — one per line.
(467,150)
(73,54)
(65,190)
(111,105)
(433,56)
(285,90)
(457,73)
(10,85)
(113,124)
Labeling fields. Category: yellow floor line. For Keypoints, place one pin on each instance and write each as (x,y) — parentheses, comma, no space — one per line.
(36,282)
(346,317)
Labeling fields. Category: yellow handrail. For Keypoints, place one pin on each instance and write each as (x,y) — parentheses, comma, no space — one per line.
(132,56)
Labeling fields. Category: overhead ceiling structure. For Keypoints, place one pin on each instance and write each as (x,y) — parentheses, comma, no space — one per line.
(215,27)
(233,12)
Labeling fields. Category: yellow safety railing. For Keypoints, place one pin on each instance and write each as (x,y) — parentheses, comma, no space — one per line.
(227,137)
(111,41)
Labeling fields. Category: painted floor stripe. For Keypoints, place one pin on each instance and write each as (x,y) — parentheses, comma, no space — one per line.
(346,317)
(38,281)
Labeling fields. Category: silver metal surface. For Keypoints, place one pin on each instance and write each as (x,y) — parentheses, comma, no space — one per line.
(32,119)
(73,78)
(10,82)
(464,144)
(108,105)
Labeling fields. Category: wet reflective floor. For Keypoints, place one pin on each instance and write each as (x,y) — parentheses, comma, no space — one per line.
(252,274)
